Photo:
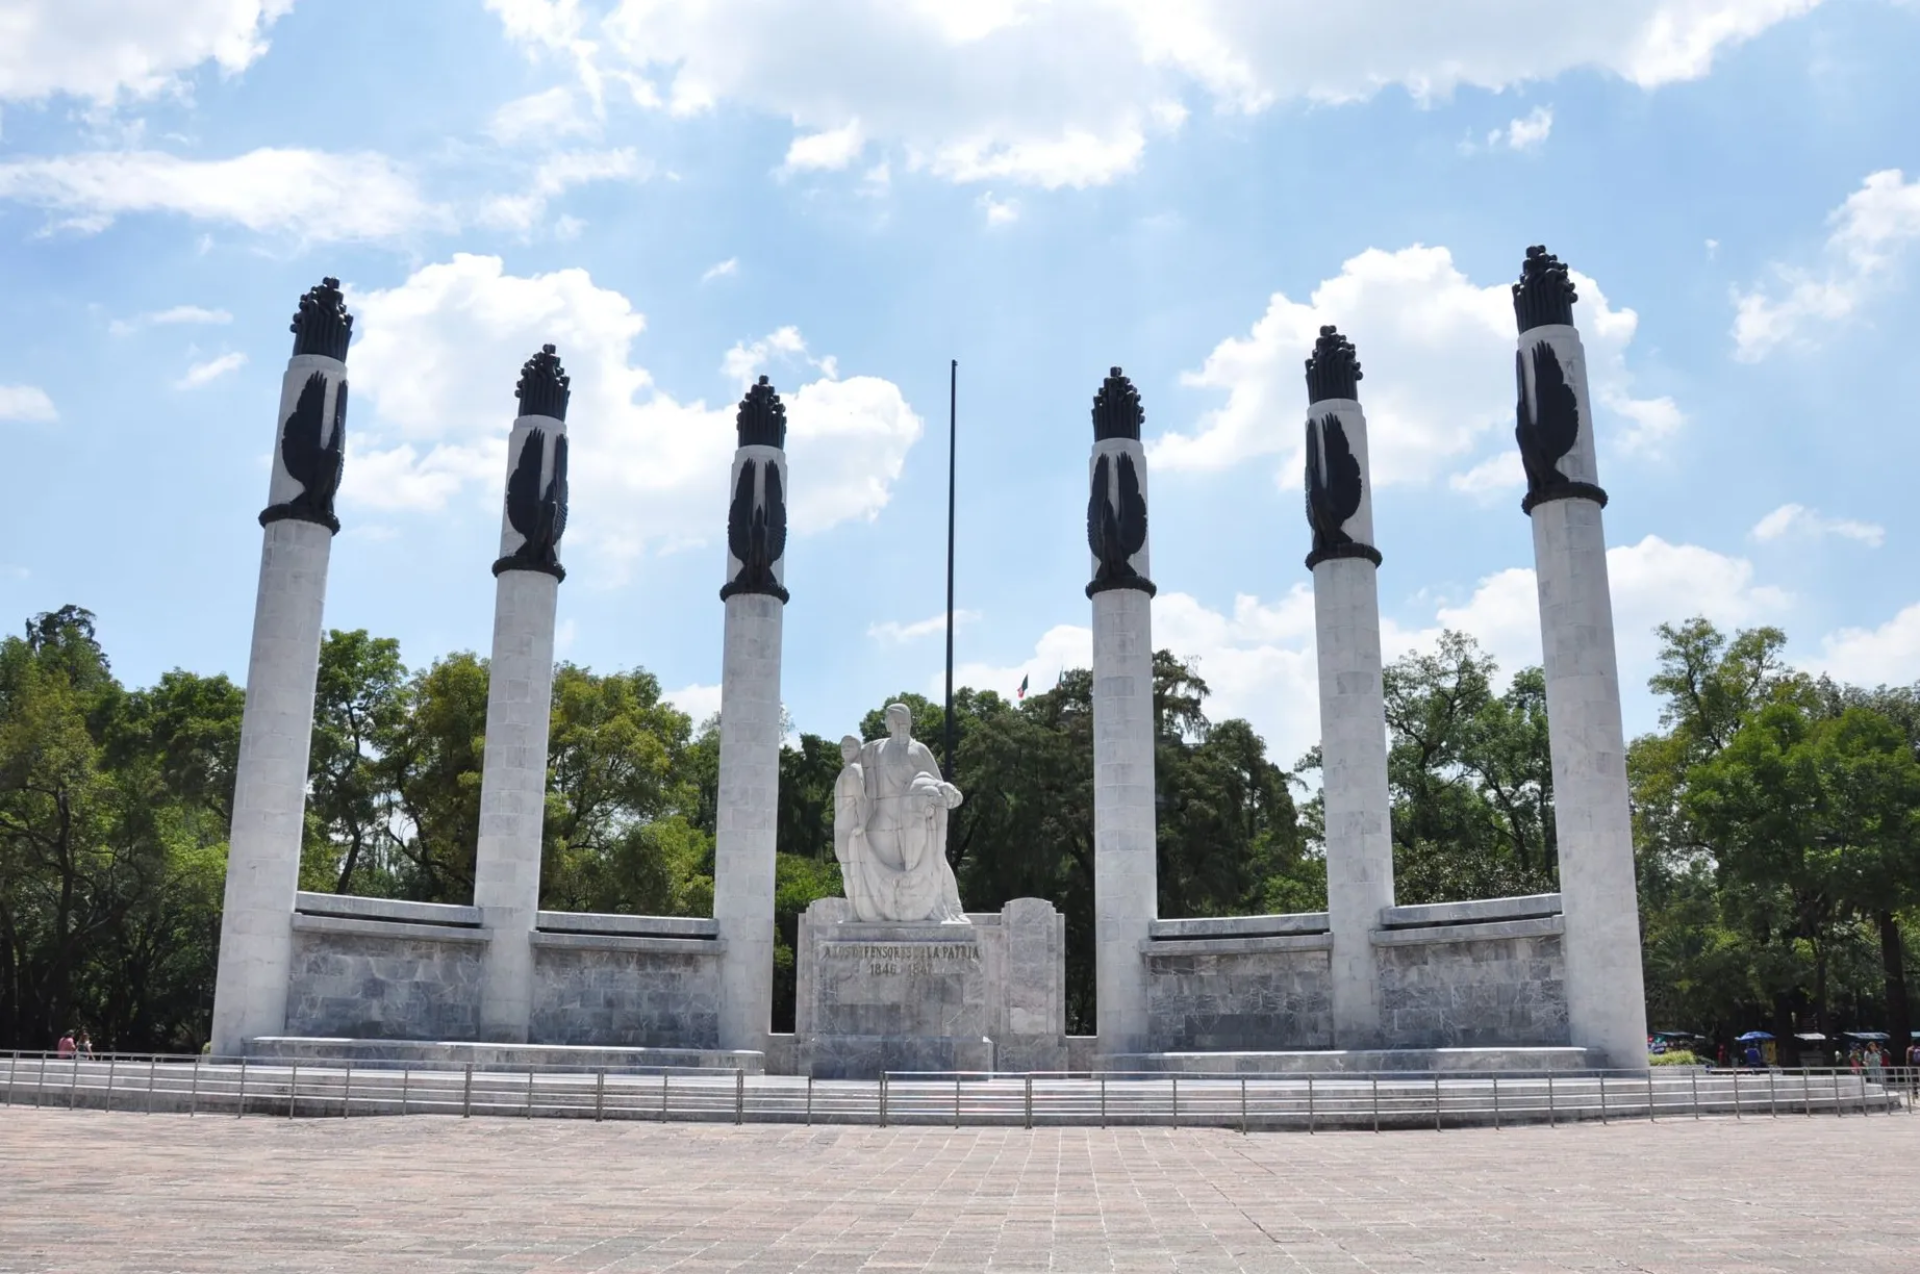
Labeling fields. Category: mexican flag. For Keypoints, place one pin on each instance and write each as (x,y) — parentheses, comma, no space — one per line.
(1021,693)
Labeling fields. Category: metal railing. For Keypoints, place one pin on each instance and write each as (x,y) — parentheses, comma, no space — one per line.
(313,1088)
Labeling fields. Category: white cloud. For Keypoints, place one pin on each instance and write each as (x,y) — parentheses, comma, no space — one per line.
(438,363)
(1000,212)
(697,701)
(935,80)
(100,49)
(1527,134)
(556,175)
(830,150)
(1494,478)
(211,370)
(1437,350)
(1258,658)
(315,196)
(1799,520)
(721,270)
(894,633)
(1884,656)
(27,402)
(540,117)
(179,314)
(1871,231)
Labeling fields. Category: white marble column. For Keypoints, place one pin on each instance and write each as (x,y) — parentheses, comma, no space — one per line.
(1353,725)
(755,596)
(1125,863)
(513,781)
(276,731)
(1606,1000)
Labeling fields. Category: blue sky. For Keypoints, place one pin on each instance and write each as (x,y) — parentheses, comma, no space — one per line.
(844,194)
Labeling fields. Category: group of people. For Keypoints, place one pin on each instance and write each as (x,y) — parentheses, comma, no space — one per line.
(75,1043)
(1876,1061)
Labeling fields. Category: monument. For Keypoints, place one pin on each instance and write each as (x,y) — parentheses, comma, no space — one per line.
(1353,735)
(513,783)
(894,975)
(1606,999)
(276,728)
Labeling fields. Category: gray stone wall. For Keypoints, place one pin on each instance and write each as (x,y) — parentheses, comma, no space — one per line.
(1259,1000)
(617,996)
(1474,993)
(364,986)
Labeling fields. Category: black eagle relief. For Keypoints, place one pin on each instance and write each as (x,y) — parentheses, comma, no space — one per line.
(1333,491)
(314,464)
(756,532)
(1547,428)
(538,514)
(1115,532)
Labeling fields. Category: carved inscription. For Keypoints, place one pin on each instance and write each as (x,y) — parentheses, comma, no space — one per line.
(885,959)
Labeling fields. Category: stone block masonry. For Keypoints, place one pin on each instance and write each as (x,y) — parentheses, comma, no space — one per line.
(363,986)
(625,992)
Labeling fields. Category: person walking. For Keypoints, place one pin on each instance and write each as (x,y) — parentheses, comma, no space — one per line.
(86,1045)
(1875,1065)
(65,1047)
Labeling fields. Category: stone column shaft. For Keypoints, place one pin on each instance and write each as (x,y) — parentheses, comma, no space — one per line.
(746,817)
(1126,896)
(1606,998)
(513,776)
(276,730)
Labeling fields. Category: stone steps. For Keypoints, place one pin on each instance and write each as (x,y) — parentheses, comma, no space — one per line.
(388,1054)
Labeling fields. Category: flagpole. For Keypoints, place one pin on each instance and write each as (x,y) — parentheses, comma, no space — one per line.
(953,398)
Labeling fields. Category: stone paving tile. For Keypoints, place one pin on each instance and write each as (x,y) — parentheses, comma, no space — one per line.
(88,1191)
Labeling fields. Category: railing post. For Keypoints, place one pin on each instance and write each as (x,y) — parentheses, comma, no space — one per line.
(1551,1121)
(1103,1101)
(739,1095)
(1176,1099)
(293,1088)
(1863,1092)
(1736,1093)
(1309,1103)
(1773,1102)
(153,1066)
(809,1099)
(40,1085)
(599,1095)
(956,1101)
(1650,1115)
(1603,1097)
(883,1099)
(1376,1103)
(529,1111)
(240,1107)
(406,1079)
(1029,1099)
(113,1061)
(1693,1074)
(1496,1103)
(1243,1105)
(664,1077)
(346,1092)
(193,1094)
(1837,1112)
(13,1064)
(73,1085)
(1436,1101)
(466,1095)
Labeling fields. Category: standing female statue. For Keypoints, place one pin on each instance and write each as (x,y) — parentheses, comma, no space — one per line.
(890,828)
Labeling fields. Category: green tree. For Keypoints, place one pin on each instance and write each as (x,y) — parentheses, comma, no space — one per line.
(361,703)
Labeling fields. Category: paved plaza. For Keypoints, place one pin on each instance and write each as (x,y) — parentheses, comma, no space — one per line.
(91,1191)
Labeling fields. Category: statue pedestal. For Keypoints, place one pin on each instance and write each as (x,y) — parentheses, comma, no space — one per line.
(990,995)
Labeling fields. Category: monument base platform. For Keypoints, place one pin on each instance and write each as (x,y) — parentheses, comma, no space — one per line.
(392,1054)
(1479,1061)
(986,995)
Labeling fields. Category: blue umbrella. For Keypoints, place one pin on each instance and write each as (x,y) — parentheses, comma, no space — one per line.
(1751,1036)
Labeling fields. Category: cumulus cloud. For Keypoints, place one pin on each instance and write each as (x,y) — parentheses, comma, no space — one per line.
(101,49)
(1871,231)
(1258,659)
(440,355)
(1526,134)
(1437,350)
(697,701)
(540,117)
(1000,212)
(1094,79)
(1799,520)
(315,196)
(1884,656)
(721,270)
(829,150)
(29,403)
(179,314)
(205,373)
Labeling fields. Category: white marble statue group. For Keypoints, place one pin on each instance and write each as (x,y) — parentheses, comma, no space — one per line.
(890,808)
